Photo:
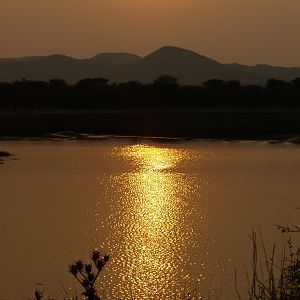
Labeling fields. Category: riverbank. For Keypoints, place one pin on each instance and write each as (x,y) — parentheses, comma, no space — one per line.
(205,124)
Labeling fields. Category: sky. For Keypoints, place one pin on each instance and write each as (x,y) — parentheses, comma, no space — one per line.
(243,31)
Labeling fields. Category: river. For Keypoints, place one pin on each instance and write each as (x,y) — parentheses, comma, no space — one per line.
(175,216)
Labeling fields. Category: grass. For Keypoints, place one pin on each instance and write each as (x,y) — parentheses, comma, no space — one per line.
(274,279)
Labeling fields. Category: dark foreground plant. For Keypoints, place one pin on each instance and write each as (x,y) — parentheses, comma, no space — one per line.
(87,273)
(38,294)
(276,281)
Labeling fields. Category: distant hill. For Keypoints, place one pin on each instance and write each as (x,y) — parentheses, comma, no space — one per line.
(266,71)
(189,67)
(111,59)
(22,58)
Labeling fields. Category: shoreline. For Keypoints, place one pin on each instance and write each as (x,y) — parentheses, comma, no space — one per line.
(92,137)
(216,125)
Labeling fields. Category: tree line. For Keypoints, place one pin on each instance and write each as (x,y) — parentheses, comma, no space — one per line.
(164,92)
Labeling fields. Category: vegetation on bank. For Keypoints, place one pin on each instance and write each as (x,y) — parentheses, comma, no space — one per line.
(164,92)
(272,278)
(269,278)
(86,274)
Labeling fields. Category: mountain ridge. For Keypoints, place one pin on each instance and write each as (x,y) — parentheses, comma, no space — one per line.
(191,68)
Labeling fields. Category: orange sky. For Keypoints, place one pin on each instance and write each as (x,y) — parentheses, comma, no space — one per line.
(245,31)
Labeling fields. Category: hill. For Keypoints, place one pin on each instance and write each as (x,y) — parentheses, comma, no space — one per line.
(189,67)
(266,71)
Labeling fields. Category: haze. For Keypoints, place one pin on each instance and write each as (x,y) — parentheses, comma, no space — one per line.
(247,31)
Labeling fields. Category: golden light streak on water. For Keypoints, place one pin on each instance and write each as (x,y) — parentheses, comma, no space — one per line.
(151,228)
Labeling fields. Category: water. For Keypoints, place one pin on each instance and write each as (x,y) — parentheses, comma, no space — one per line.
(173,216)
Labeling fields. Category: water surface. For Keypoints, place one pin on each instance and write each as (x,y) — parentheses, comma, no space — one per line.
(173,216)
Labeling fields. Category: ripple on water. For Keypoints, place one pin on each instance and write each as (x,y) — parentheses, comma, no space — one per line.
(151,229)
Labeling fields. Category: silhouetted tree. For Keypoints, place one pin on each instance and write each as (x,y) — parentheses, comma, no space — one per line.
(164,92)
(89,83)
(276,84)
(214,84)
(233,84)
(166,81)
(166,89)
(296,83)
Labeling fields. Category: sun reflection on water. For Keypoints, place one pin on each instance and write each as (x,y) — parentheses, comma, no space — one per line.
(151,231)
